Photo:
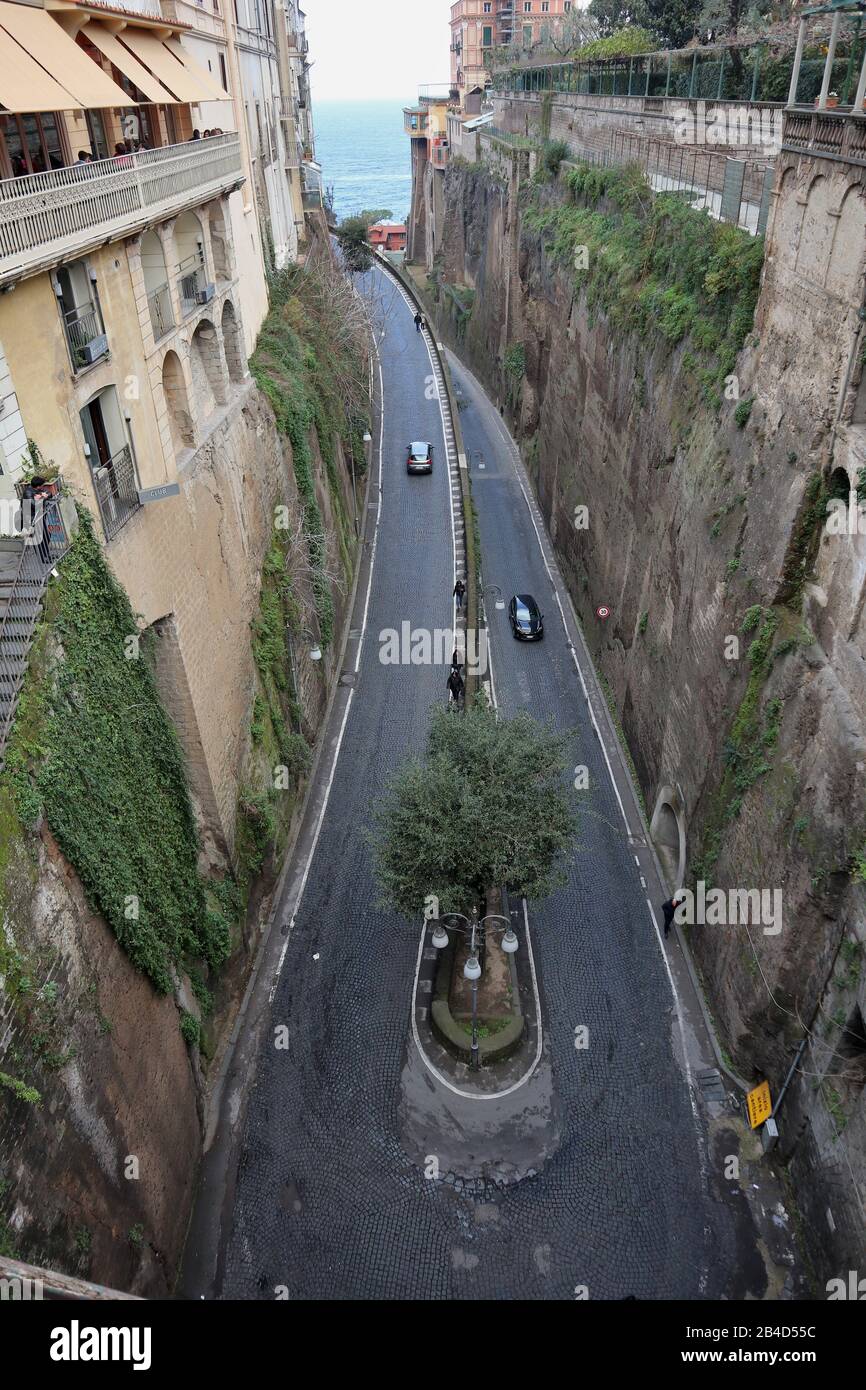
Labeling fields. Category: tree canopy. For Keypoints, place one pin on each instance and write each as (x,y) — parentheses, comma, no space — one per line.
(371,215)
(352,238)
(487,805)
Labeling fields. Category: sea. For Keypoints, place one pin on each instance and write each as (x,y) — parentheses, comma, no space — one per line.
(364,155)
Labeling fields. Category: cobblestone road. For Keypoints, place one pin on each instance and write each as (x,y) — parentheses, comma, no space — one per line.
(326,1202)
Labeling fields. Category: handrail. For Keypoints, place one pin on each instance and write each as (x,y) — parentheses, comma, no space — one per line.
(80,203)
(35,563)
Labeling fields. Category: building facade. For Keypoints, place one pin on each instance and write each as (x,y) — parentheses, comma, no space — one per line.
(152,175)
(480,26)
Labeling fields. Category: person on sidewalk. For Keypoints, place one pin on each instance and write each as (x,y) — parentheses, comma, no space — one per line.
(669,909)
(459,594)
(418,322)
(455,688)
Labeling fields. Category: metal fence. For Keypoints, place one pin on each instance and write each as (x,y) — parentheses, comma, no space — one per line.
(715,73)
(730,190)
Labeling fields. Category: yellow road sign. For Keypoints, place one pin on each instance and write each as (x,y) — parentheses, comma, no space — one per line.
(760,1106)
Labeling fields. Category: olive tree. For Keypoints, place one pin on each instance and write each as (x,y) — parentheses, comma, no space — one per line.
(487,805)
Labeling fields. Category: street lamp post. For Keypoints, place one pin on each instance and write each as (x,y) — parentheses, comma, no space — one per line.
(474,930)
(495,589)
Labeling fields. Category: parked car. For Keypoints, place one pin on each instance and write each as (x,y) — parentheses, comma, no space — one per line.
(419,457)
(526,618)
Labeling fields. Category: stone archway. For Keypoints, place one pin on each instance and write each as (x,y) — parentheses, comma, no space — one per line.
(232,345)
(207,370)
(668,833)
(177,403)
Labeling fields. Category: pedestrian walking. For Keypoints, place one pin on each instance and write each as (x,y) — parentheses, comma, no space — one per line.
(418,323)
(670,907)
(459,594)
(456,663)
(455,688)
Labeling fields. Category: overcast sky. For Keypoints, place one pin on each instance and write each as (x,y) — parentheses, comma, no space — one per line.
(356,56)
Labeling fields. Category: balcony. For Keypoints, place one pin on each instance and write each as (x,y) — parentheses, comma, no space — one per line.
(439,156)
(161,314)
(116,488)
(85,335)
(63,213)
(190,284)
(415,121)
(833,135)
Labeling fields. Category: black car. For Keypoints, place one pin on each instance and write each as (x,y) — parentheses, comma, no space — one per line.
(419,457)
(526,618)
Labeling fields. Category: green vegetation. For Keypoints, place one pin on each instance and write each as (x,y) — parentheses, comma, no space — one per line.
(624,43)
(352,240)
(94,751)
(313,372)
(29,1094)
(803,546)
(190,1028)
(752,737)
(642,623)
(514,362)
(553,152)
(743,411)
(485,807)
(656,267)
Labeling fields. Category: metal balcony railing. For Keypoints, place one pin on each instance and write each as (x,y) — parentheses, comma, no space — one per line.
(116,488)
(45,541)
(62,212)
(190,280)
(85,334)
(161,313)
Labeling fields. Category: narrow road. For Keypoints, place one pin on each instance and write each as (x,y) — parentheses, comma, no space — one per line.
(326,1203)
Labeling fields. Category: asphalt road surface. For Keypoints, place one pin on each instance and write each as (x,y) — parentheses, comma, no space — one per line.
(327,1204)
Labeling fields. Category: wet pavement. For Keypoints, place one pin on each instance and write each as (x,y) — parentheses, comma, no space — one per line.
(335,1194)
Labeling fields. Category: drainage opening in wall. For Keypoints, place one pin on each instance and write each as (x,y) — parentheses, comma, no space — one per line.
(668,831)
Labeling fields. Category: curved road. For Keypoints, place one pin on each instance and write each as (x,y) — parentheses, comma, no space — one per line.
(326,1202)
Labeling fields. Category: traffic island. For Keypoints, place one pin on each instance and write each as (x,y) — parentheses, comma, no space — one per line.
(508,1026)
(500,1021)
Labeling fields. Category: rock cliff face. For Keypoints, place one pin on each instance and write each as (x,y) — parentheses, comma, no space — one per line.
(736,649)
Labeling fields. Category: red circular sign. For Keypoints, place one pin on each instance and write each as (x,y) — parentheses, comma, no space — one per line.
(602,611)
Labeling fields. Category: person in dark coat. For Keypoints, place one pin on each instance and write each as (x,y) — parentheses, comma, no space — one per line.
(669,909)
(459,593)
(418,322)
(456,687)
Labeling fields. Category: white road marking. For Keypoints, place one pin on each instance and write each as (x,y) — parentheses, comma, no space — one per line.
(339,744)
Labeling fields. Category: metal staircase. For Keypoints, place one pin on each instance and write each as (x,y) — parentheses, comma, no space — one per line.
(26,561)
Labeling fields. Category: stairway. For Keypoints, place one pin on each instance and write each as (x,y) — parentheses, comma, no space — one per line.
(24,570)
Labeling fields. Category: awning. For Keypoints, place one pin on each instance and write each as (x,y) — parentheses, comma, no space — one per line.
(207,79)
(164,65)
(24,85)
(52,48)
(128,64)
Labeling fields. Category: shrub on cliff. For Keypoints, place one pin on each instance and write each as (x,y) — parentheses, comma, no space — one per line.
(654,265)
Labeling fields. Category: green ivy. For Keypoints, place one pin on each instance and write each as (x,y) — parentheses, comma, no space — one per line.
(94,751)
